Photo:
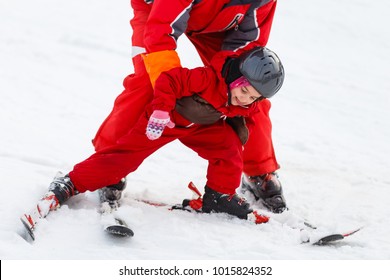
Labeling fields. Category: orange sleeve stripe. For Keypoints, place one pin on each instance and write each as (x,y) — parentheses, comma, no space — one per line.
(158,62)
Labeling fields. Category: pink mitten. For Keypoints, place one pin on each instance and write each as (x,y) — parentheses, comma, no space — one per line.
(157,123)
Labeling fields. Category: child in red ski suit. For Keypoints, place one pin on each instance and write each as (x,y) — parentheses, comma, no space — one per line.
(211,25)
(216,142)
(222,95)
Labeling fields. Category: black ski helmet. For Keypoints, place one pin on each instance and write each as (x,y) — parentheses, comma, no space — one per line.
(263,69)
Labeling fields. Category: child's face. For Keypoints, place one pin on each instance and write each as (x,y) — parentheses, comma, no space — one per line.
(244,95)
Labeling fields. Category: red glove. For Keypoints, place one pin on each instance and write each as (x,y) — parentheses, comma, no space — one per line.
(157,123)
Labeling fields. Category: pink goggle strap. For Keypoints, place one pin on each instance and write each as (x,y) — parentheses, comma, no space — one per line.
(240,82)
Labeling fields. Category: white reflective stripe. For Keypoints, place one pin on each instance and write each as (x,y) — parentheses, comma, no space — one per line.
(191,124)
(137,50)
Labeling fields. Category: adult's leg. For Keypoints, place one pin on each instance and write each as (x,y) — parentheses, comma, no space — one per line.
(260,163)
(138,91)
(259,155)
(128,107)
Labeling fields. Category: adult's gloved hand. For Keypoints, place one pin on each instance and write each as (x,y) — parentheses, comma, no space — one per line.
(157,123)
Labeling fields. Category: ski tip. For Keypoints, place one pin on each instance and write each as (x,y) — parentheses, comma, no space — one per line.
(120,231)
(328,239)
(335,237)
(28,230)
(352,231)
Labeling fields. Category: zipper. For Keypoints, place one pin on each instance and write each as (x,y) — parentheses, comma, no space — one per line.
(234,22)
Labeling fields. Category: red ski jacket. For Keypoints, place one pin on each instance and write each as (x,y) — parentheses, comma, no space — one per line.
(241,24)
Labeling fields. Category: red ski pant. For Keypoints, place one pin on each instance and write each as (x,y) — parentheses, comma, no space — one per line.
(217,143)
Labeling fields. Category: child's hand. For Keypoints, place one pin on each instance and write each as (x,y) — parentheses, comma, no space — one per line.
(157,123)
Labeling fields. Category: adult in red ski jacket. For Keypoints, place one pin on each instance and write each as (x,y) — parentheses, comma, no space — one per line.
(230,26)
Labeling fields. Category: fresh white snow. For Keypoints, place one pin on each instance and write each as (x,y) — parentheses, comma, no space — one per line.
(61,66)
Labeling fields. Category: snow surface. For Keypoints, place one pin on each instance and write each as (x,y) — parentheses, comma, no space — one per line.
(61,66)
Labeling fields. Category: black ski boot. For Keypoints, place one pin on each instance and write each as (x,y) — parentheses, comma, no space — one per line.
(268,189)
(113,192)
(225,203)
(60,190)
